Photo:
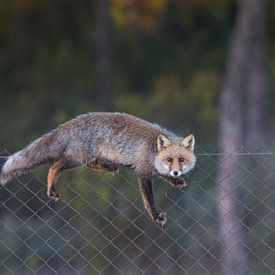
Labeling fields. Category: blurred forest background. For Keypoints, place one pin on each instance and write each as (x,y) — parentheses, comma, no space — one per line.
(165,61)
(162,60)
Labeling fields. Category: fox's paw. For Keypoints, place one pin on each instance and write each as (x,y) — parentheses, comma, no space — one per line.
(180,183)
(161,218)
(110,167)
(55,196)
(113,168)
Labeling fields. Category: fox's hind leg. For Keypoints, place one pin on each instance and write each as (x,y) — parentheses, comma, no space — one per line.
(54,172)
(102,166)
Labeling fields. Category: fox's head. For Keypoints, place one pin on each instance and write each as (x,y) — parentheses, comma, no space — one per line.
(175,158)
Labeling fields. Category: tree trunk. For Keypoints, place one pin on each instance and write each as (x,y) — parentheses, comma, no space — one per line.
(103,54)
(230,138)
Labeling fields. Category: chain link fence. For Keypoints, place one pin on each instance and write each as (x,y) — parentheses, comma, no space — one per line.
(99,226)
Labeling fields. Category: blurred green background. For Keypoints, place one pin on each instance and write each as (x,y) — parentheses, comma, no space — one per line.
(161,60)
(166,60)
(166,57)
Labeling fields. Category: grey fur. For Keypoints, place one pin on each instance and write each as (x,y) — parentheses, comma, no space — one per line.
(43,150)
(117,137)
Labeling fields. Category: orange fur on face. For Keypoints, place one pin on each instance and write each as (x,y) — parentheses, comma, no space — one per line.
(175,160)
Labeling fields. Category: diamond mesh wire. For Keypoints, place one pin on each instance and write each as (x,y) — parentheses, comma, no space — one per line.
(99,226)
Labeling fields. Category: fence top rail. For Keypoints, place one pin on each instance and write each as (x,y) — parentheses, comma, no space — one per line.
(236,153)
(241,151)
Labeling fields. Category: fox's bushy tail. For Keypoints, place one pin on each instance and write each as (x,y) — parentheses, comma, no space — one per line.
(43,150)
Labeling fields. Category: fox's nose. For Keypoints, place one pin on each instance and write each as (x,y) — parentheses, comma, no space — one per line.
(175,173)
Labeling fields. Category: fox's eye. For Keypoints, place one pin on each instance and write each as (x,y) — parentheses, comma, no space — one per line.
(181,159)
(169,160)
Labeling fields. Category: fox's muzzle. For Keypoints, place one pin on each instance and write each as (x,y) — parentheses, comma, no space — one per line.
(175,173)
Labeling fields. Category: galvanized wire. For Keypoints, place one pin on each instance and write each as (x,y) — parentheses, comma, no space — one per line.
(99,226)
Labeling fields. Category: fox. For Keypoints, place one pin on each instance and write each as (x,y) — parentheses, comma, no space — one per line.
(103,141)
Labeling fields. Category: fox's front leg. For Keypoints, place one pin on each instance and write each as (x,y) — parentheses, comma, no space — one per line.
(146,189)
(175,182)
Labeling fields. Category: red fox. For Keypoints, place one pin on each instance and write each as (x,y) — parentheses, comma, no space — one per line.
(103,141)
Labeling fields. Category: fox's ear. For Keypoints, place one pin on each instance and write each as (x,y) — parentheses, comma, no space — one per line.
(163,142)
(188,142)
